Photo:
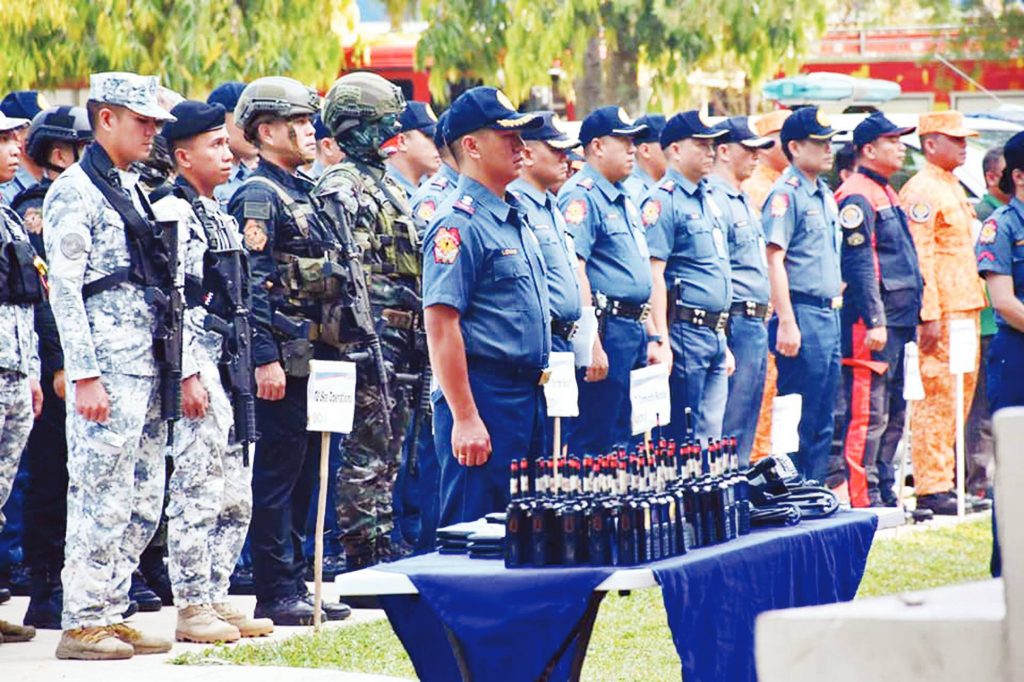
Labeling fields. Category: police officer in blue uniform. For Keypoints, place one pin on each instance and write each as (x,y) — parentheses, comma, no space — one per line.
(279,225)
(746,331)
(245,159)
(881,309)
(415,156)
(486,313)
(692,281)
(650,163)
(432,193)
(544,166)
(800,224)
(1000,251)
(614,276)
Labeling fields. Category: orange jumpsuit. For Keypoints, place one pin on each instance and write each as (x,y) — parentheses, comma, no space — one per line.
(757,187)
(940,218)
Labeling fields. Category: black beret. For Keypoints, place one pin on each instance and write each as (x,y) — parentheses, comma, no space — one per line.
(193,118)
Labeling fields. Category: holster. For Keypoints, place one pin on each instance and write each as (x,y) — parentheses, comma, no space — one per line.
(295,357)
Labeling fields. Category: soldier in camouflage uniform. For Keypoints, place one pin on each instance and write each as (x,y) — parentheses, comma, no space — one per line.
(20,393)
(116,438)
(210,489)
(361,111)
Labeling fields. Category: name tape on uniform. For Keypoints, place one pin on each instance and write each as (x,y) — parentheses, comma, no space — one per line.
(963,346)
(560,391)
(649,394)
(583,339)
(331,396)
(786,412)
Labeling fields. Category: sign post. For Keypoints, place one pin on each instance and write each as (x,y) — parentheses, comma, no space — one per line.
(330,408)
(562,396)
(650,398)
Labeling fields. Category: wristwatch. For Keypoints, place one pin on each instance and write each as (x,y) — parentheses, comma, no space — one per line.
(655,338)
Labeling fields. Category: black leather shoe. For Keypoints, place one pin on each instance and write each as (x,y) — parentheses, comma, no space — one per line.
(5,595)
(19,580)
(978,504)
(133,608)
(943,504)
(334,610)
(146,598)
(46,600)
(288,611)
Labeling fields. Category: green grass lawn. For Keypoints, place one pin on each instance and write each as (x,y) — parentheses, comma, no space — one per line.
(632,628)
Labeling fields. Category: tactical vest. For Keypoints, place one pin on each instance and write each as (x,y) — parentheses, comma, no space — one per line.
(892,243)
(384,226)
(22,271)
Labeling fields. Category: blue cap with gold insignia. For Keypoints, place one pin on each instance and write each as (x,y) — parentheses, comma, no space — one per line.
(737,131)
(655,124)
(418,116)
(610,120)
(875,126)
(689,124)
(550,133)
(486,107)
(22,104)
(809,123)
(226,95)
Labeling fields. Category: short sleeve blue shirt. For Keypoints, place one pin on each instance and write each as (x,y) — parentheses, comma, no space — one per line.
(548,226)
(685,230)
(637,184)
(746,242)
(800,217)
(1000,247)
(605,227)
(431,194)
(481,259)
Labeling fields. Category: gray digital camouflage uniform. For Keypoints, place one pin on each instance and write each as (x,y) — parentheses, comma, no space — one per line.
(210,491)
(116,468)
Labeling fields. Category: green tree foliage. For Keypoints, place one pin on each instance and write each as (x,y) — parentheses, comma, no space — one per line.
(515,42)
(191,44)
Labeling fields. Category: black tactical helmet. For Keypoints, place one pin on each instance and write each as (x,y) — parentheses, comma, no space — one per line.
(56,124)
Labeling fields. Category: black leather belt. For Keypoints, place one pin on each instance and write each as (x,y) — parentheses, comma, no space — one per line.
(830,302)
(699,317)
(562,329)
(535,376)
(749,309)
(616,308)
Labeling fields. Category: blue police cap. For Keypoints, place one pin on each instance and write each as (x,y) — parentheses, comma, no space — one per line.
(610,120)
(418,116)
(320,129)
(807,123)
(655,124)
(486,107)
(441,130)
(875,126)
(22,104)
(737,131)
(691,123)
(1013,152)
(226,94)
(550,133)
(193,118)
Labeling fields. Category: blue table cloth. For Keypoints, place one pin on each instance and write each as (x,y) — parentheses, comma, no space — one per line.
(509,623)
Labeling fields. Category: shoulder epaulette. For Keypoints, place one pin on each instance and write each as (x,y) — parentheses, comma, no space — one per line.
(793,181)
(439,183)
(669,186)
(587,183)
(465,204)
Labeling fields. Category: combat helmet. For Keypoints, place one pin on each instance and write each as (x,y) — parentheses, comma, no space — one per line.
(276,95)
(56,124)
(361,110)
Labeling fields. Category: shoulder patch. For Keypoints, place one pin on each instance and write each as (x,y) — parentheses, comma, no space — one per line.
(587,183)
(255,235)
(575,212)
(72,246)
(988,232)
(426,210)
(779,205)
(855,239)
(851,217)
(986,255)
(447,242)
(669,186)
(260,210)
(465,204)
(920,212)
(33,220)
(651,212)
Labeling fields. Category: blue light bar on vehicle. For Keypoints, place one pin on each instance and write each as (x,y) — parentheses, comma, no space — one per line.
(829,87)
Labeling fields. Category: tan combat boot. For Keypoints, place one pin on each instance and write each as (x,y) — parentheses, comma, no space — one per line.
(92,644)
(141,643)
(9,632)
(247,625)
(201,624)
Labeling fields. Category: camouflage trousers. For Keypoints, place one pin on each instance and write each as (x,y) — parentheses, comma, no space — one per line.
(115,494)
(210,501)
(15,425)
(366,478)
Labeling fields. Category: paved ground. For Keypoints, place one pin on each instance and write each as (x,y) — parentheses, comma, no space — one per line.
(32,661)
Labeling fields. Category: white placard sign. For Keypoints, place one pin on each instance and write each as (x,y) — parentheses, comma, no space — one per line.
(786,411)
(913,389)
(963,346)
(650,397)
(560,391)
(583,339)
(331,396)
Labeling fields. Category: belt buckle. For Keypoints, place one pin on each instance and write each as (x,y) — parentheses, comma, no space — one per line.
(723,318)
(698,316)
(645,310)
(751,308)
(545,376)
(573,328)
(836,303)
